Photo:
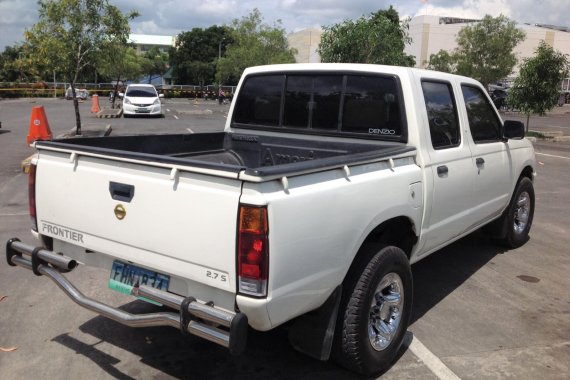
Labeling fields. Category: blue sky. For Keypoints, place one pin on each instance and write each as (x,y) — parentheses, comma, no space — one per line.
(169,17)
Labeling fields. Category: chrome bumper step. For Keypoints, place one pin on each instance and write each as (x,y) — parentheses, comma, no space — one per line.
(225,328)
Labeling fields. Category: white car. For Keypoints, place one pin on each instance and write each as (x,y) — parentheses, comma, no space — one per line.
(142,99)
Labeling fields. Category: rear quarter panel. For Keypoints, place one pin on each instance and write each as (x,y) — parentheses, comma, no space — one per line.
(318,224)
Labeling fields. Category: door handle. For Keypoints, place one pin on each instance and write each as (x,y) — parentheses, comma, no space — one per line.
(479,161)
(121,191)
(442,170)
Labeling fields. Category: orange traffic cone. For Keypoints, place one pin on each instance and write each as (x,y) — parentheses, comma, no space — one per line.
(95,104)
(39,127)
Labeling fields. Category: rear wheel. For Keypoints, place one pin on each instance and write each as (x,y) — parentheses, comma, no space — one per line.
(375,312)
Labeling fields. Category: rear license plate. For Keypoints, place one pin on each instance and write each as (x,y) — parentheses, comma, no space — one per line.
(124,277)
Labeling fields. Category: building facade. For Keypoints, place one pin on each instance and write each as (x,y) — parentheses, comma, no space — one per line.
(306,42)
(431,34)
(144,42)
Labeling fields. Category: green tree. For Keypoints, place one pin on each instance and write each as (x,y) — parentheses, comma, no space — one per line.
(154,63)
(11,65)
(254,44)
(124,64)
(442,61)
(378,38)
(485,49)
(202,72)
(536,89)
(71,34)
(196,53)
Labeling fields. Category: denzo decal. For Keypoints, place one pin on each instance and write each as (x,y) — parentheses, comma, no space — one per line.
(383,131)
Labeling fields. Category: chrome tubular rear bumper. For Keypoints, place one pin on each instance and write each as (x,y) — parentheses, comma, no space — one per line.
(204,320)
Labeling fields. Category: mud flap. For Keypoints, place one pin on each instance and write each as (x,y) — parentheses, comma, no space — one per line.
(313,333)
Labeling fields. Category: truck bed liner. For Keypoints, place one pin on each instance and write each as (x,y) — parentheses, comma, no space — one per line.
(257,155)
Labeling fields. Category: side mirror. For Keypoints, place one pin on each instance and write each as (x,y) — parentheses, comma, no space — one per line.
(513,129)
(121,94)
(161,95)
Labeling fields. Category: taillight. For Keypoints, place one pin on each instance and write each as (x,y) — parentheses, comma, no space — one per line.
(32,195)
(253,250)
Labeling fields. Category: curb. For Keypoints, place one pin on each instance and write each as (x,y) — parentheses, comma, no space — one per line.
(88,131)
(554,136)
(109,113)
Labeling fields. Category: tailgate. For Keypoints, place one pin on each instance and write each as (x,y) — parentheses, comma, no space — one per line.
(181,223)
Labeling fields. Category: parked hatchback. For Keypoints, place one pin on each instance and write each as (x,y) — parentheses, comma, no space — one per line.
(142,99)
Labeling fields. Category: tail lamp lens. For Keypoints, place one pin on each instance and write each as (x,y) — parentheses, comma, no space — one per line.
(253,251)
(32,195)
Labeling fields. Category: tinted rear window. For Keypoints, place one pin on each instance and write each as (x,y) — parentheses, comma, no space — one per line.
(312,101)
(259,101)
(323,103)
(371,106)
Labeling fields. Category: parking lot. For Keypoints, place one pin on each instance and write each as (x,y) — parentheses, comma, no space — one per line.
(480,312)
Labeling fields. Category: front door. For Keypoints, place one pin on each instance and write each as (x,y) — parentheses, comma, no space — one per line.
(491,156)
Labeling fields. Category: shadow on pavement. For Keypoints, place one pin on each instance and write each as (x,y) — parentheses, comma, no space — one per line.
(104,361)
(438,275)
(268,355)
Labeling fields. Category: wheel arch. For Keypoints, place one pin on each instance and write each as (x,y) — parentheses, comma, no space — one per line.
(398,231)
(528,172)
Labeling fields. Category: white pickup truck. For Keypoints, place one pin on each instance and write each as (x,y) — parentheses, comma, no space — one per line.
(328,182)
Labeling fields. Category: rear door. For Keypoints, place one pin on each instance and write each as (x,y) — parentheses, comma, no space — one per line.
(450,165)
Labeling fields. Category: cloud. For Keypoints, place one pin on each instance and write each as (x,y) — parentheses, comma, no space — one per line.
(474,9)
(15,17)
(553,12)
(170,17)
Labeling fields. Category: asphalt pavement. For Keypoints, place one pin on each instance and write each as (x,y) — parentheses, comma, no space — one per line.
(480,312)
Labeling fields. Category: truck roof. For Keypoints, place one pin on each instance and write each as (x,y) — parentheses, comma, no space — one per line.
(352,67)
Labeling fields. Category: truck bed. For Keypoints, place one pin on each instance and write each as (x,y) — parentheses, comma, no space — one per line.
(255,155)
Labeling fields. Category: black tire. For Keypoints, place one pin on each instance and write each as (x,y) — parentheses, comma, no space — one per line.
(516,221)
(353,347)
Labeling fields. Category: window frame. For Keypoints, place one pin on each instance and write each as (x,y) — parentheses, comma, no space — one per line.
(489,102)
(456,112)
(403,137)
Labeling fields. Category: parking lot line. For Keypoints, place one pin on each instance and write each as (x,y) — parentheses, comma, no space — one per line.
(189,130)
(431,361)
(552,155)
(176,117)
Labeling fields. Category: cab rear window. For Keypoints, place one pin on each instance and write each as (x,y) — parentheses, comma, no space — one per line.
(323,103)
